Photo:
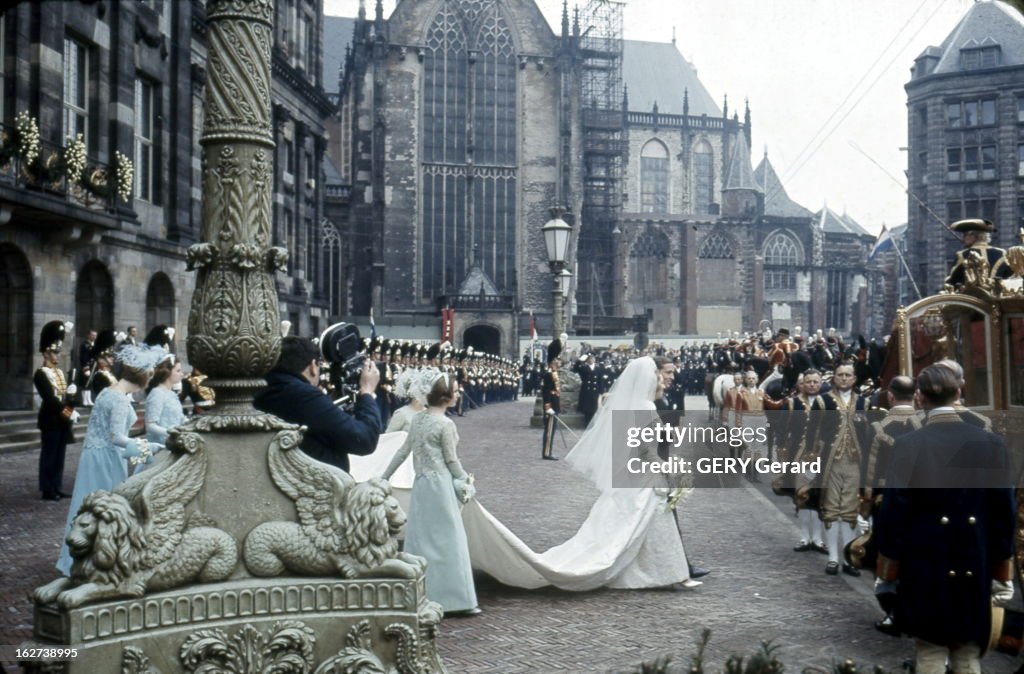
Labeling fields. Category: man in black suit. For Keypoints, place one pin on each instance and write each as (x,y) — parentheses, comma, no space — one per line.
(670,414)
(85,365)
(56,412)
(588,387)
(949,518)
(292,394)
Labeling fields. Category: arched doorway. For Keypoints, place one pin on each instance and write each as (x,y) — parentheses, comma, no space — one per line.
(486,338)
(94,299)
(159,302)
(16,335)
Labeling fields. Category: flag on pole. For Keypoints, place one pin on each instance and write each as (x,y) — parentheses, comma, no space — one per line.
(882,244)
(373,326)
(533,328)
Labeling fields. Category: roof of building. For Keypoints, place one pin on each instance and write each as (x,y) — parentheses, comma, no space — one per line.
(337,38)
(985,23)
(478,283)
(740,176)
(655,72)
(831,222)
(777,201)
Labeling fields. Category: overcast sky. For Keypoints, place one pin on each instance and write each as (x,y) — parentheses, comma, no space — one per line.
(834,66)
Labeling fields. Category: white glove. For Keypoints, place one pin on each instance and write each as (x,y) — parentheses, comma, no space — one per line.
(75,416)
(1002,592)
(550,411)
(72,389)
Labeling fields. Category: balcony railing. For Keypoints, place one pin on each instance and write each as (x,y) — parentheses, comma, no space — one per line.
(667,120)
(96,190)
(477,302)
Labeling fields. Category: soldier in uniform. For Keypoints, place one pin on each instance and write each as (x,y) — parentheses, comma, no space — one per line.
(901,419)
(550,391)
(948,536)
(103,361)
(85,366)
(977,255)
(588,387)
(57,414)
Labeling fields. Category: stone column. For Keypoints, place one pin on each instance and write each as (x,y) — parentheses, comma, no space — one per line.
(233,326)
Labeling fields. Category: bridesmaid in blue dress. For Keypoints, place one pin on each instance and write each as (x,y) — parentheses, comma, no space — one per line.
(163,407)
(107,446)
(435,529)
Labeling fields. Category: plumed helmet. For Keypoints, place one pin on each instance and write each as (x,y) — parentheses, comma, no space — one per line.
(161,335)
(51,337)
(433,351)
(104,344)
(554,350)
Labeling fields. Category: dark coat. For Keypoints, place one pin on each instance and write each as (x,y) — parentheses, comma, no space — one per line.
(946,545)
(588,389)
(332,434)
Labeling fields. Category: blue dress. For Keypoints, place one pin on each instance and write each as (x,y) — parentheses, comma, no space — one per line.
(435,529)
(104,453)
(163,412)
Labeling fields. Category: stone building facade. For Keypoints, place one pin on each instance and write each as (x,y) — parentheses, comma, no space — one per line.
(461,122)
(965,106)
(129,77)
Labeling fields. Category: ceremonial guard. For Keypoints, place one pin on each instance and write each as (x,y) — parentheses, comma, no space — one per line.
(56,411)
(588,387)
(550,391)
(841,466)
(901,419)
(85,366)
(803,440)
(977,260)
(103,361)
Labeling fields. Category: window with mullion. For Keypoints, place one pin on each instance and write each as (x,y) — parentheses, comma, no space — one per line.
(76,91)
(144,126)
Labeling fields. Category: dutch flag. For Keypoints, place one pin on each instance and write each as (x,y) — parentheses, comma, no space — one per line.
(882,244)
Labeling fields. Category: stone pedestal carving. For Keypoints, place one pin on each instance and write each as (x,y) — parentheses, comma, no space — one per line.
(235,551)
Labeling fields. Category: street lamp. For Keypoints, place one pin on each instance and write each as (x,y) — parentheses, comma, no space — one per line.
(556,240)
(564,281)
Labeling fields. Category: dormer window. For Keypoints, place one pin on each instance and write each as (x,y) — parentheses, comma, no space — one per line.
(977,58)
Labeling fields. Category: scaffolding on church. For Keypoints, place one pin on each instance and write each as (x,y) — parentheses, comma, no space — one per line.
(600,47)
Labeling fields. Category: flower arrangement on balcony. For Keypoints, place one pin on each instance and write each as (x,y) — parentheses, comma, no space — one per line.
(64,169)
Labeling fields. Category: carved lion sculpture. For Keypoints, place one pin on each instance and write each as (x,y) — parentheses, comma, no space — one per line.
(344,528)
(117,553)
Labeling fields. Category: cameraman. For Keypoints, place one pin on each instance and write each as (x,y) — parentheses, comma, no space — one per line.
(292,395)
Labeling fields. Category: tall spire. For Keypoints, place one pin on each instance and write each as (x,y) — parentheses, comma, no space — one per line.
(625,97)
(725,106)
(565,19)
(686,102)
(378,13)
(746,120)
(361,14)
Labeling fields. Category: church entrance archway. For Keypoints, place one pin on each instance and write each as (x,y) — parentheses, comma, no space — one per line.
(17,360)
(486,338)
(159,302)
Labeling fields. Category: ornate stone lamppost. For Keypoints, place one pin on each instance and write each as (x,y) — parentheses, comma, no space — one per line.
(235,551)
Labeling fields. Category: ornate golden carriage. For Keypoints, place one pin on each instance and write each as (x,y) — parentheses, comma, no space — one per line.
(980,325)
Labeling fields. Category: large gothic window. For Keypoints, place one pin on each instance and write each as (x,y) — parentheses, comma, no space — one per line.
(649,266)
(654,178)
(703,178)
(94,298)
(716,247)
(330,249)
(781,258)
(16,350)
(469,147)
(160,301)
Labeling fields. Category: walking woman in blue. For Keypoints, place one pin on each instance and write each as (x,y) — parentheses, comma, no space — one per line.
(434,529)
(107,446)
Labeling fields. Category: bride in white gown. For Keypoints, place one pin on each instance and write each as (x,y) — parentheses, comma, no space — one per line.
(629,539)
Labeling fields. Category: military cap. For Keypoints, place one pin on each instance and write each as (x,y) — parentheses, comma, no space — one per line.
(973,225)
(51,337)
(161,335)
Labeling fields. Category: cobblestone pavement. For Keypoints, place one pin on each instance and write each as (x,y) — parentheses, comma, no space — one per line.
(758,589)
